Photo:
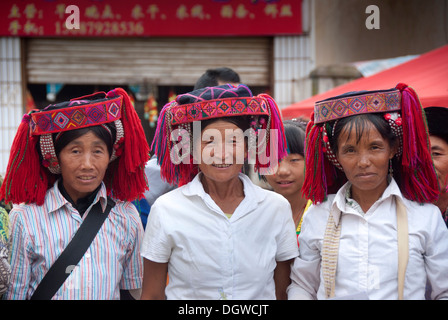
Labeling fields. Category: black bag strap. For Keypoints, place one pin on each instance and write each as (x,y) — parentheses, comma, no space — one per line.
(73,253)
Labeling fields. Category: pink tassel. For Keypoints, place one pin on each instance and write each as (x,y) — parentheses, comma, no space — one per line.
(280,145)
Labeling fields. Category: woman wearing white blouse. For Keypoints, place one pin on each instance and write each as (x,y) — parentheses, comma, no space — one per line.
(217,236)
(378,236)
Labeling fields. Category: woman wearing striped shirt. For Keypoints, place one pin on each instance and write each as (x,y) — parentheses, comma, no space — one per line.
(82,163)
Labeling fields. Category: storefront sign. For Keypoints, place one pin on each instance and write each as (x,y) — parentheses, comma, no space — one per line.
(104,18)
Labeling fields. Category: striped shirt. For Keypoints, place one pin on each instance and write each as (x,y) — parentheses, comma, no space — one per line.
(39,234)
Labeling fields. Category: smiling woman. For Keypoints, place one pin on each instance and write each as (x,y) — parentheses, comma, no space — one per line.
(288,179)
(76,158)
(372,231)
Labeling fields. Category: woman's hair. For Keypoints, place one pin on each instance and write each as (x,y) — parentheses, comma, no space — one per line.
(240,121)
(360,123)
(108,136)
(295,136)
(211,77)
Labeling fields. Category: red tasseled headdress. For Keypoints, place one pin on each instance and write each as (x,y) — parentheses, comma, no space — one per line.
(28,176)
(417,179)
(216,102)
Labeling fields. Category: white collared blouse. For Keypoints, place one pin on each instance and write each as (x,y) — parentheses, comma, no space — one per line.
(211,256)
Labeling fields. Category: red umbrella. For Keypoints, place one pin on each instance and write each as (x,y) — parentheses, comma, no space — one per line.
(426,74)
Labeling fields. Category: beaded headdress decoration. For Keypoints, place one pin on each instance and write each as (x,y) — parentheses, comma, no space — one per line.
(261,112)
(401,108)
(33,165)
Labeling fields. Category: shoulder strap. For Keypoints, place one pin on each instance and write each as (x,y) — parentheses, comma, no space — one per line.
(73,253)
(330,252)
(403,245)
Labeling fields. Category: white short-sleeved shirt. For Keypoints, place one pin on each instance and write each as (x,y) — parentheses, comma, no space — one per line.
(211,256)
(368,256)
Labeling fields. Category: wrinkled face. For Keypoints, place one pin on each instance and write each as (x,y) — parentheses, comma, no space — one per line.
(83,162)
(288,179)
(222,151)
(439,152)
(365,162)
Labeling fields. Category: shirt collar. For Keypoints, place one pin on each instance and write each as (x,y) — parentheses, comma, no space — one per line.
(54,200)
(339,202)
(195,188)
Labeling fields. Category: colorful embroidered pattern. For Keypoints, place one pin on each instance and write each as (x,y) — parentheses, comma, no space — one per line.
(76,117)
(380,101)
(4,228)
(218,108)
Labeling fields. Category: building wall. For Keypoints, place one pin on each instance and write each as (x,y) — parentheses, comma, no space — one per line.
(406,27)
(292,65)
(293,60)
(11,95)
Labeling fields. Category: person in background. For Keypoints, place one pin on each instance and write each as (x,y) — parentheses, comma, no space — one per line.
(218,236)
(77,158)
(437,118)
(288,179)
(217,77)
(371,178)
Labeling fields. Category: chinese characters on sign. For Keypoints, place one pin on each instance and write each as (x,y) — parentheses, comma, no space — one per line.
(150,18)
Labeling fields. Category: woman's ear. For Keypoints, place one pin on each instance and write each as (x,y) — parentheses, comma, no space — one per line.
(393,151)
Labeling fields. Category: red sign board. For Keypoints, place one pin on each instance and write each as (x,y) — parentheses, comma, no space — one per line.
(140,18)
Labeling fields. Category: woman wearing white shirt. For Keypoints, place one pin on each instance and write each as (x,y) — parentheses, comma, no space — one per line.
(217,236)
(378,237)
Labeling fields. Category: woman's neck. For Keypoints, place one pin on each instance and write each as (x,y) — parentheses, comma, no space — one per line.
(298,205)
(367,198)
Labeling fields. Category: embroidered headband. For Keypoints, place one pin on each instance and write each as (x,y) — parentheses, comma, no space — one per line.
(357,103)
(75,114)
(401,108)
(130,151)
(261,112)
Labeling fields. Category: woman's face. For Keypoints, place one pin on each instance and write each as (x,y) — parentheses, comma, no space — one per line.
(365,162)
(288,179)
(222,151)
(439,151)
(83,162)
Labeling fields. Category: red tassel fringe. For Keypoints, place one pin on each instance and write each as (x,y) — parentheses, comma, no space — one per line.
(26,180)
(125,178)
(314,186)
(126,175)
(419,180)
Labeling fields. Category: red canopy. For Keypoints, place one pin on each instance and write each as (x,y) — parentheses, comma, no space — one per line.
(427,75)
